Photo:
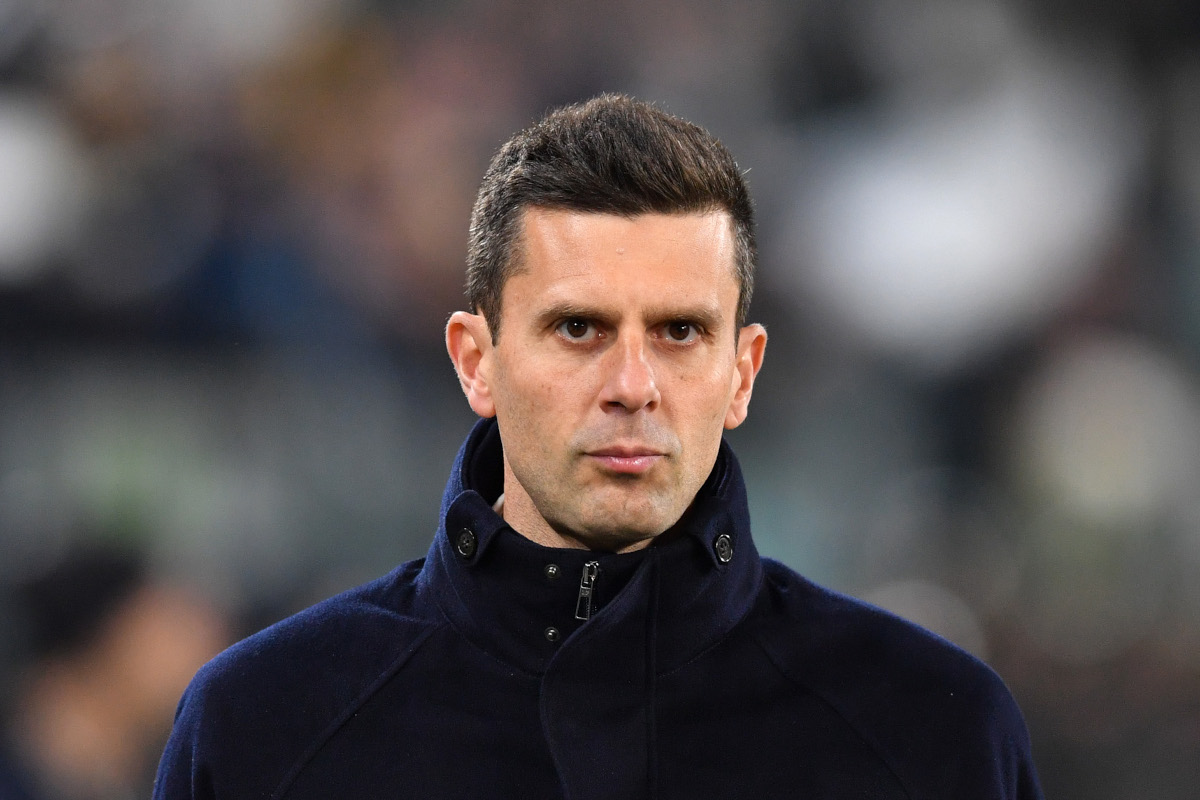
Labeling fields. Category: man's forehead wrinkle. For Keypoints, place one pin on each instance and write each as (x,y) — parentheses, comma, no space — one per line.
(567,238)
(576,263)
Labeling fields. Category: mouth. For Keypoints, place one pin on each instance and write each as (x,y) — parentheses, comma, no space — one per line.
(626,460)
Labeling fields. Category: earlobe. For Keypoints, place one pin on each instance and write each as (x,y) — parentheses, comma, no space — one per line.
(752,345)
(469,343)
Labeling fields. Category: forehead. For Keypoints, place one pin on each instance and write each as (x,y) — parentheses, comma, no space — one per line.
(609,258)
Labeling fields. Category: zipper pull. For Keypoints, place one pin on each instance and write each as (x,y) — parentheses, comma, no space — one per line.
(587,584)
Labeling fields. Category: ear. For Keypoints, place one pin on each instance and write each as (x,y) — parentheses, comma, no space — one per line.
(469,343)
(752,344)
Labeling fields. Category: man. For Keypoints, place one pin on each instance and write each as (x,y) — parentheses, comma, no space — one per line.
(592,619)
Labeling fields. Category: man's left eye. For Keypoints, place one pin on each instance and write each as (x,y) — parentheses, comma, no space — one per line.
(681,331)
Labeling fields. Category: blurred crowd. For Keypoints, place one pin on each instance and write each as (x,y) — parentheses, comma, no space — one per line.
(230,235)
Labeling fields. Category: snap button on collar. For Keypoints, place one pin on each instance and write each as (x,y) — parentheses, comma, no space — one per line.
(466,542)
(723,547)
(552,634)
(552,571)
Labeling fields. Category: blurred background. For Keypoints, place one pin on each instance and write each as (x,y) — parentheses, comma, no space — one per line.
(230,235)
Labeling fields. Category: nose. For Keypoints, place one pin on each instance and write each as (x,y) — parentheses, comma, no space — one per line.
(629,383)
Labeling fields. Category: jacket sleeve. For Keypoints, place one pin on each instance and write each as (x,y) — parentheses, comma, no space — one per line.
(230,742)
(182,773)
(941,719)
(1022,776)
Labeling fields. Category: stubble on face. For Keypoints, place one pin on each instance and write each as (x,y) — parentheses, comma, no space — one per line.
(614,375)
(588,503)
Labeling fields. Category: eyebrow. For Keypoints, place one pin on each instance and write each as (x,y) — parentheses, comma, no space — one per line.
(706,317)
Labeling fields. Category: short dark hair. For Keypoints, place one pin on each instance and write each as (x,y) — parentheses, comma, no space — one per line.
(612,154)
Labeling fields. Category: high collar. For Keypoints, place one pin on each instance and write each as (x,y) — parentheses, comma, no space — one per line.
(503,591)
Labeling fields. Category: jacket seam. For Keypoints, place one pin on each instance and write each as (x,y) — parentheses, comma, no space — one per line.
(836,708)
(323,738)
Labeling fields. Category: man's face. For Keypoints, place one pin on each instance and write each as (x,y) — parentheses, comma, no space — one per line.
(617,368)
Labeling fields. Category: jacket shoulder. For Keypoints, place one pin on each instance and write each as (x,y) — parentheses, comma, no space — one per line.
(941,719)
(255,712)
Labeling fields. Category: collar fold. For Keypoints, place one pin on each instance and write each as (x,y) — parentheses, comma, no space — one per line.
(517,600)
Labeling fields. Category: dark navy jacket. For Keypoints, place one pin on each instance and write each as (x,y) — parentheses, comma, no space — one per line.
(704,671)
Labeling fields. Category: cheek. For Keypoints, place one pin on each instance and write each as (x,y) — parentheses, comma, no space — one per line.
(703,394)
(534,394)
(702,403)
(536,400)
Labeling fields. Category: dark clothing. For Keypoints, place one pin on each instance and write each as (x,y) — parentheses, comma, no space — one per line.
(703,672)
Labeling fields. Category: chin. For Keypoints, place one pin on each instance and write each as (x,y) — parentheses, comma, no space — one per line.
(610,541)
(620,530)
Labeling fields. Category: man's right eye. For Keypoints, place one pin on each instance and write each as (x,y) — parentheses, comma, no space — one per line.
(575,328)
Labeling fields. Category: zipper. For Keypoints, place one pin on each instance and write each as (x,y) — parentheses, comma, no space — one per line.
(587,588)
